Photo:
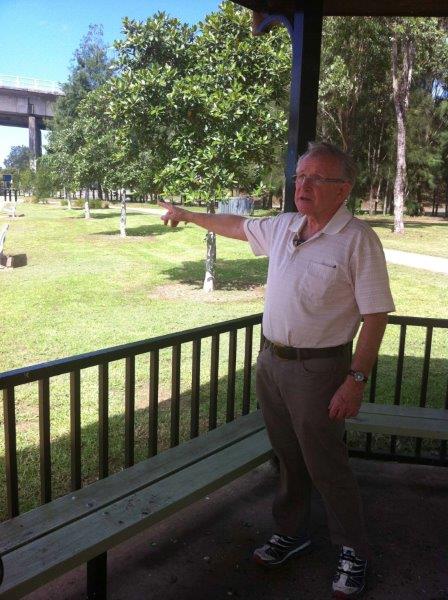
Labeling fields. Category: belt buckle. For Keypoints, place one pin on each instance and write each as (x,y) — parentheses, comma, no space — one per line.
(285,352)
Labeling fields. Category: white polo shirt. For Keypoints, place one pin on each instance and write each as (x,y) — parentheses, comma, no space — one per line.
(317,292)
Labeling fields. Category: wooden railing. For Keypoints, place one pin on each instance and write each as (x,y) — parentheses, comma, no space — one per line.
(43,374)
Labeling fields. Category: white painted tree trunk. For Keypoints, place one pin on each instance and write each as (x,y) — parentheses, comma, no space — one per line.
(210,262)
(86,205)
(123,216)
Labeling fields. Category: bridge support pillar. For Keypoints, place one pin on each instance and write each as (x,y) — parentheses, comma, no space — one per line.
(35,140)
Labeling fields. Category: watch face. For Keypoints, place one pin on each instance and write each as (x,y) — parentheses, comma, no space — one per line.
(359,376)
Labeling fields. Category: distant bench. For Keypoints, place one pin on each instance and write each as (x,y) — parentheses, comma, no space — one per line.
(46,542)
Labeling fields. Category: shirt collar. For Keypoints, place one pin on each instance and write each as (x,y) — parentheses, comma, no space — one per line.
(339,220)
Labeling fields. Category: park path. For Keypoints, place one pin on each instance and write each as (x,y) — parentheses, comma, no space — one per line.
(437,264)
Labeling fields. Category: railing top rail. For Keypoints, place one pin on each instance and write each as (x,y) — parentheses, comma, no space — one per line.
(418,321)
(91,359)
(30,83)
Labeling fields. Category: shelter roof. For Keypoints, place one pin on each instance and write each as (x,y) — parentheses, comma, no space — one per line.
(403,8)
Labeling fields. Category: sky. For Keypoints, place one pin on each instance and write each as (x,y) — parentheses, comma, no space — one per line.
(39,37)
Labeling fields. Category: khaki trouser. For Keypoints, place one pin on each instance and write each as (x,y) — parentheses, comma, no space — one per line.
(294,396)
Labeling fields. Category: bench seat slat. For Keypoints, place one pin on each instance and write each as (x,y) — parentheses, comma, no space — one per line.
(61,550)
(405,411)
(43,519)
(384,421)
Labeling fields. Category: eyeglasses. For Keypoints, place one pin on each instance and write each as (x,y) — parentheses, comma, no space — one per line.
(317,179)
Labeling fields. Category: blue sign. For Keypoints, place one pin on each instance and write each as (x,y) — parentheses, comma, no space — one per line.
(7,178)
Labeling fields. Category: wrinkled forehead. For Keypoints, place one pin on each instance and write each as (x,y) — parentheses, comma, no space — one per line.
(323,164)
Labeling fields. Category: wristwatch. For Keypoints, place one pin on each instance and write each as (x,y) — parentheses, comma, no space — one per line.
(358,376)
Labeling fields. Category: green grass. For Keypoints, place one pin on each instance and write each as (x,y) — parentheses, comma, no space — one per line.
(423,235)
(85,288)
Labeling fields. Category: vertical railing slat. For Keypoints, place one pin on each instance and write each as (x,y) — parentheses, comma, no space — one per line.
(195,388)
(175,395)
(372,398)
(398,380)
(230,409)
(153,403)
(247,369)
(129,412)
(103,420)
(443,444)
(424,384)
(75,428)
(214,372)
(12,482)
(44,440)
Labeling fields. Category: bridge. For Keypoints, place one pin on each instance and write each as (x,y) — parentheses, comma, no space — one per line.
(28,102)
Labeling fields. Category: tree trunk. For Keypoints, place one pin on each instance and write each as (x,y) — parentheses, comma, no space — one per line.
(210,261)
(86,205)
(402,45)
(123,216)
(400,177)
(69,201)
(100,191)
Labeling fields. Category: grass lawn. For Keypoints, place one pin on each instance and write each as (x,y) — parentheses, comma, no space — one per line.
(85,288)
(424,235)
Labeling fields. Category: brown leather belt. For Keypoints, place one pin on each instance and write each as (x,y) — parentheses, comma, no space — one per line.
(291,353)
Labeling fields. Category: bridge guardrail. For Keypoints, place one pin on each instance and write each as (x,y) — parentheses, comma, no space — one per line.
(30,83)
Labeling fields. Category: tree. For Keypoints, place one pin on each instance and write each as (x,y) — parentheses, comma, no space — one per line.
(18,158)
(90,69)
(74,128)
(355,109)
(227,123)
(200,110)
(412,39)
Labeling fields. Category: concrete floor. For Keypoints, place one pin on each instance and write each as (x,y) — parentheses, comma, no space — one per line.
(204,552)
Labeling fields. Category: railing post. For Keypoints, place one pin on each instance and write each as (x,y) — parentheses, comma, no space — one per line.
(12,487)
(75,429)
(44,440)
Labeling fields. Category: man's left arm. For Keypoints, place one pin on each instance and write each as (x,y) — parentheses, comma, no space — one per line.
(347,400)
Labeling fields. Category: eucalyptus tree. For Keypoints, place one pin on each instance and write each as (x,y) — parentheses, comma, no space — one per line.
(355,96)
(417,44)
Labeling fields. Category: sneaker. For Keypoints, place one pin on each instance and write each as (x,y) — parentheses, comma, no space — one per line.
(279,549)
(350,578)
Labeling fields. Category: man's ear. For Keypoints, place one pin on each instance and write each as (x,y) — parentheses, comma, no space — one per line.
(345,189)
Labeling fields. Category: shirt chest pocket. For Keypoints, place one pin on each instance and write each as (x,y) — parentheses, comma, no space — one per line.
(320,281)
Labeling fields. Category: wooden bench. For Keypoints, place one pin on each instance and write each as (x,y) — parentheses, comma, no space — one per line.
(46,542)
(80,527)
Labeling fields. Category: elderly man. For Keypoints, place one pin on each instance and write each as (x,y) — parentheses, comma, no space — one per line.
(326,270)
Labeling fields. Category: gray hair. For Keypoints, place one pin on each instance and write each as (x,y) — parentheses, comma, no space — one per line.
(347,163)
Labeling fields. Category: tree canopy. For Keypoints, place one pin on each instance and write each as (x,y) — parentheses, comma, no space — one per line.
(200,111)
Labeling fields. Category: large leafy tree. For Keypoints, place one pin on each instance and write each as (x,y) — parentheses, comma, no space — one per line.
(202,109)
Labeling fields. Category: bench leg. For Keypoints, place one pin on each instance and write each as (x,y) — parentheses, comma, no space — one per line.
(97,578)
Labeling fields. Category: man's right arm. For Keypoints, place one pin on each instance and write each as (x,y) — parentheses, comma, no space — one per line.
(231,226)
